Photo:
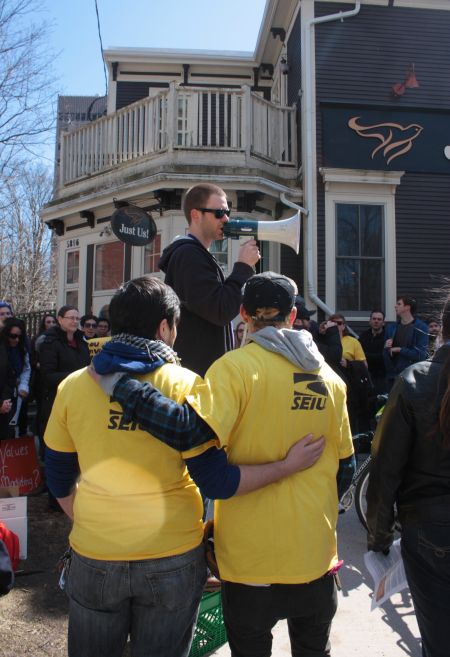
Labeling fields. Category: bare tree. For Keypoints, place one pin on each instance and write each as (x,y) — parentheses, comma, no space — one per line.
(27,272)
(26,83)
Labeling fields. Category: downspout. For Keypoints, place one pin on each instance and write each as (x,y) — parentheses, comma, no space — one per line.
(309,155)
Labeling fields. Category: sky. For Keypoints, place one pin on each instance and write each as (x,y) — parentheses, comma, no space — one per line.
(186,24)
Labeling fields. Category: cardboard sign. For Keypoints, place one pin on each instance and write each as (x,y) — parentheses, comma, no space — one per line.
(19,465)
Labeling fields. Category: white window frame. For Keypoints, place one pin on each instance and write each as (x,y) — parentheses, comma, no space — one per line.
(364,188)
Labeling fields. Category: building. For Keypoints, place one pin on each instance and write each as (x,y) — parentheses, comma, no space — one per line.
(343,108)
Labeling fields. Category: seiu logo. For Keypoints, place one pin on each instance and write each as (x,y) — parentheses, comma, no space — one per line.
(313,397)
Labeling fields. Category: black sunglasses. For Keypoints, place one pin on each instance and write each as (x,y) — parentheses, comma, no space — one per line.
(90,325)
(219,214)
(14,336)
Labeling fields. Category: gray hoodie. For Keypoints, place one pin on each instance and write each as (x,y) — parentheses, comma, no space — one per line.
(297,346)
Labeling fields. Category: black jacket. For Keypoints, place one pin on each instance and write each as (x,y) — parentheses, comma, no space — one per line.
(409,468)
(329,344)
(57,360)
(7,375)
(209,301)
(373,346)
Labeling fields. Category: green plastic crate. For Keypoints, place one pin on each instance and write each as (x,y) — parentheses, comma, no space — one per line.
(210,631)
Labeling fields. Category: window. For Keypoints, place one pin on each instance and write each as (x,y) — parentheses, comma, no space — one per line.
(72,298)
(72,267)
(219,249)
(360,252)
(152,254)
(108,269)
(359,257)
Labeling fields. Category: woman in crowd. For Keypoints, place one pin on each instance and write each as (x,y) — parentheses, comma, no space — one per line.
(353,369)
(239,334)
(411,469)
(15,366)
(48,321)
(62,351)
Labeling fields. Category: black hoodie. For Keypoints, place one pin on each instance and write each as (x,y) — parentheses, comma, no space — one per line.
(209,301)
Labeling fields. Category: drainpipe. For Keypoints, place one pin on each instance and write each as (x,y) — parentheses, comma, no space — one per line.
(309,155)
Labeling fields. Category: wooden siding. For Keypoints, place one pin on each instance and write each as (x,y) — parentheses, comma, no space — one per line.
(359,60)
(422,236)
(130,92)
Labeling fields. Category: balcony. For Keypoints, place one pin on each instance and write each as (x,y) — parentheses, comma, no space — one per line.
(185,126)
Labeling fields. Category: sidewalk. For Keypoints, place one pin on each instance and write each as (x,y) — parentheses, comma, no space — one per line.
(390,631)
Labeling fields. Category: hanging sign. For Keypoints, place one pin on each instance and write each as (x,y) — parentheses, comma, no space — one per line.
(133,225)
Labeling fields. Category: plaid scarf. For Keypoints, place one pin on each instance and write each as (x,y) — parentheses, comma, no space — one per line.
(154,348)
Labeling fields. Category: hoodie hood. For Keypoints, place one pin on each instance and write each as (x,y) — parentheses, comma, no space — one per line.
(297,346)
(177,242)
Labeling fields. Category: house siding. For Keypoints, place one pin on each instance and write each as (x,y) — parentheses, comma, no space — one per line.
(130,92)
(359,60)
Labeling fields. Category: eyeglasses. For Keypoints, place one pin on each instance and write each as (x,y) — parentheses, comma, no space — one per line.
(218,213)
(14,336)
(74,319)
(90,325)
(339,322)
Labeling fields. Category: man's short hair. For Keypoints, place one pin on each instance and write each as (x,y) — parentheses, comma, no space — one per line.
(377,310)
(139,306)
(198,197)
(86,318)
(104,319)
(269,297)
(409,301)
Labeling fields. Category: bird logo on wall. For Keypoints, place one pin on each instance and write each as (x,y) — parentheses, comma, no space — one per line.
(395,139)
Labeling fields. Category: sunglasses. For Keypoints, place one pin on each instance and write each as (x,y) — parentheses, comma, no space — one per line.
(14,336)
(339,322)
(90,325)
(219,214)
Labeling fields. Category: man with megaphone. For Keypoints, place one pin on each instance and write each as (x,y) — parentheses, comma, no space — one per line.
(209,301)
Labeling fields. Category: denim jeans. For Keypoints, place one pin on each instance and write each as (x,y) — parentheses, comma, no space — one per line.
(426,556)
(250,613)
(155,601)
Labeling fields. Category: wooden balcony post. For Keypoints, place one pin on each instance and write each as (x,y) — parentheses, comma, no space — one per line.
(172,116)
(247,128)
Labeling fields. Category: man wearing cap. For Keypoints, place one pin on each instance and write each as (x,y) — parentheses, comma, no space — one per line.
(275,548)
(326,335)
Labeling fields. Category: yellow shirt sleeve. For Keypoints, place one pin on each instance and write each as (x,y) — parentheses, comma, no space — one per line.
(57,436)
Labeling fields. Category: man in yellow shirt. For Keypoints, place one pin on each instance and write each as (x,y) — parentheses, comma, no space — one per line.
(275,547)
(137,565)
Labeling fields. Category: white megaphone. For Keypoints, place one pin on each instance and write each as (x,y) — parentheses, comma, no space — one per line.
(286,231)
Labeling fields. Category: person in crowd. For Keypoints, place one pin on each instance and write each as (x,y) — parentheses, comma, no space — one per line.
(64,350)
(410,470)
(209,301)
(5,311)
(239,332)
(47,322)
(103,327)
(434,333)
(17,370)
(353,369)
(138,566)
(276,548)
(325,335)
(88,325)
(372,341)
(406,340)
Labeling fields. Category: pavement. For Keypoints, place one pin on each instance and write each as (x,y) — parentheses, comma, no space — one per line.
(389,631)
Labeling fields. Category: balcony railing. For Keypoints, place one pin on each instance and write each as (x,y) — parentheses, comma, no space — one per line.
(182,119)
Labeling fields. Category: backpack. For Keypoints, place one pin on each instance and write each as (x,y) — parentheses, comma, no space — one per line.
(11,542)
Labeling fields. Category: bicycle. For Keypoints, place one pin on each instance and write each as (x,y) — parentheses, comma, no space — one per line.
(356,493)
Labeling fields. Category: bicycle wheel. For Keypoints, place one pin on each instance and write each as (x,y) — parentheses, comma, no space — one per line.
(360,492)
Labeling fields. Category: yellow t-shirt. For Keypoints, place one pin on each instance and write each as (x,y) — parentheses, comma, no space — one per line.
(96,344)
(135,499)
(259,404)
(352,349)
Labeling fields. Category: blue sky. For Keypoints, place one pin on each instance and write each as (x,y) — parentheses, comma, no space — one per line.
(190,24)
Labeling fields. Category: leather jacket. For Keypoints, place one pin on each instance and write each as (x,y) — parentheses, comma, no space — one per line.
(409,468)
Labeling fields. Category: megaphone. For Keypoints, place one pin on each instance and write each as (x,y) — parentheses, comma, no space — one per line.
(286,231)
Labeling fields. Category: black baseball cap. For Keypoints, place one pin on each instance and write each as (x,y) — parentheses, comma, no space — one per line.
(302,310)
(269,290)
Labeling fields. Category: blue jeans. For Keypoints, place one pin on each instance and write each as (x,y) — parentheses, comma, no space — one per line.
(154,601)
(426,556)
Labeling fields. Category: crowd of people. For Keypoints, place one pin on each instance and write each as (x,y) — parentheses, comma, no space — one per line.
(122,453)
